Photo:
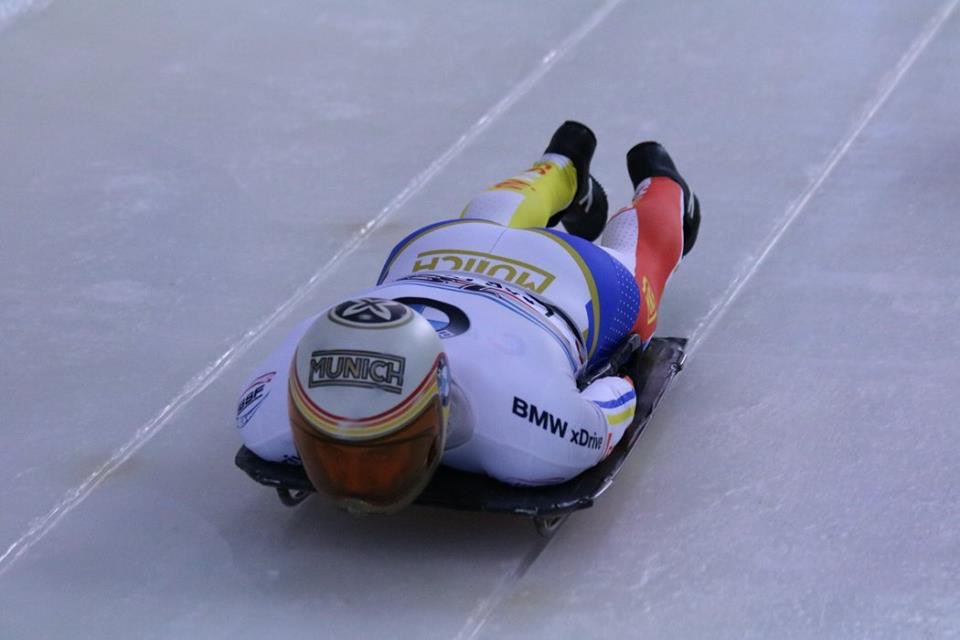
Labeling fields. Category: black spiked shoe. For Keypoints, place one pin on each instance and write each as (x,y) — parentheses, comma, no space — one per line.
(649,159)
(587,214)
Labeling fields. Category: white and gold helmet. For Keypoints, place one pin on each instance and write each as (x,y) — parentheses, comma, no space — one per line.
(369,389)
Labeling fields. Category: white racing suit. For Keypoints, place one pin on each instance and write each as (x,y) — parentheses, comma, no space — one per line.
(521,313)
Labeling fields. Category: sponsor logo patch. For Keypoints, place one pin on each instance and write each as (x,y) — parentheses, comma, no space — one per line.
(558,323)
(490,288)
(650,298)
(350,368)
(585,439)
(555,425)
(520,274)
(446,319)
(370,313)
(252,397)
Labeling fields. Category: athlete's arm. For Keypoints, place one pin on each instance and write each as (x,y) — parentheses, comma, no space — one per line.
(262,419)
(615,401)
(553,431)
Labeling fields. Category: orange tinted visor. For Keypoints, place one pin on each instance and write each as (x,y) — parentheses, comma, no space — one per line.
(373,476)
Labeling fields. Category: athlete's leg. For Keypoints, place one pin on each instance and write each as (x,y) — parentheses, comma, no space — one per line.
(650,236)
(551,190)
(557,187)
(529,199)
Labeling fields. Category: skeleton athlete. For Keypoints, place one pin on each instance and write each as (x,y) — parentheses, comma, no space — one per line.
(469,349)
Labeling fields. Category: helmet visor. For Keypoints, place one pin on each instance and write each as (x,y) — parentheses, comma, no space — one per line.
(373,476)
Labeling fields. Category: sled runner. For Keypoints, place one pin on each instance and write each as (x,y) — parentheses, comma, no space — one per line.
(651,371)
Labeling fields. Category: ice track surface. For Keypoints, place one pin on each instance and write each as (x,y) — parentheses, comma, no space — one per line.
(182,181)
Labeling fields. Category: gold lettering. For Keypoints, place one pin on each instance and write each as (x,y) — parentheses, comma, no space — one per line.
(425,265)
(455,262)
(525,282)
(530,277)
(513,272)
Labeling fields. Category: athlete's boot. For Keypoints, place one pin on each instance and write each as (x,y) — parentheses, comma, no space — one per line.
(649,159)
(587,213)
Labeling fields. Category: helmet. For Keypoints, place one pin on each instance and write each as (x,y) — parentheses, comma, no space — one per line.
(369,389)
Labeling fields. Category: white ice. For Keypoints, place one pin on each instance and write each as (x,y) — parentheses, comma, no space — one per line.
(181,181)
